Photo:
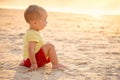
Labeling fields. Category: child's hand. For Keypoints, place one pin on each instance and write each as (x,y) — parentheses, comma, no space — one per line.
(34,67)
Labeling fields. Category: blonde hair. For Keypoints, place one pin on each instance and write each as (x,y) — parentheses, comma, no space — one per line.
(33,12)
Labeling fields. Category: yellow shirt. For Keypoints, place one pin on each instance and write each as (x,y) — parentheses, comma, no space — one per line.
(32,35)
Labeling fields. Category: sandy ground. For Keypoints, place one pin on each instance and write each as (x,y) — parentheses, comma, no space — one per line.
(88,45)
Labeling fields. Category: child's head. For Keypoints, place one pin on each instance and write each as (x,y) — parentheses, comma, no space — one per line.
(35,16)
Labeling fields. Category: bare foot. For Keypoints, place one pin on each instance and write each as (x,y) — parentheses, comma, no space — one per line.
(22,63)
(58,66)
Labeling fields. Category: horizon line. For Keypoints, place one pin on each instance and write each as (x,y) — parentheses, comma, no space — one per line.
(67,11)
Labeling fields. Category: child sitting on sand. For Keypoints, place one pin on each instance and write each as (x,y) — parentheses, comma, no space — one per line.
(36,53)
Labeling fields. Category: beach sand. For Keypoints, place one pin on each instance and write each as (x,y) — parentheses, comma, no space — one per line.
(89,46)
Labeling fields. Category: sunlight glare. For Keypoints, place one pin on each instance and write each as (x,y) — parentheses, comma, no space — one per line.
(97,14)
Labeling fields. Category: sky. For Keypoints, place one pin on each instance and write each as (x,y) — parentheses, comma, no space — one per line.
(73,6)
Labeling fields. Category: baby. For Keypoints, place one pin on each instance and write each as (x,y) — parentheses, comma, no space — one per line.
(36,52)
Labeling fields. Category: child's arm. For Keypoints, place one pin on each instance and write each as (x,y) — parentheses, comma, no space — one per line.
(31,49)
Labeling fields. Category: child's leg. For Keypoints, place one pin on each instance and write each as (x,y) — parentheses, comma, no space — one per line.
(50,51)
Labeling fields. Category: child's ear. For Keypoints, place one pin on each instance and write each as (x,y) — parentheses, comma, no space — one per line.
(34,22)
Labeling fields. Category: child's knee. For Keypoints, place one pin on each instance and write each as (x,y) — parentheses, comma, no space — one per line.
(50,45)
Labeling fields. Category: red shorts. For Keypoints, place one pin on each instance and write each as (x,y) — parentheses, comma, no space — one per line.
(40,58)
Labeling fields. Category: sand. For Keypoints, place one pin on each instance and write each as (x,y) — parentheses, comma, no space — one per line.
(88,45)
